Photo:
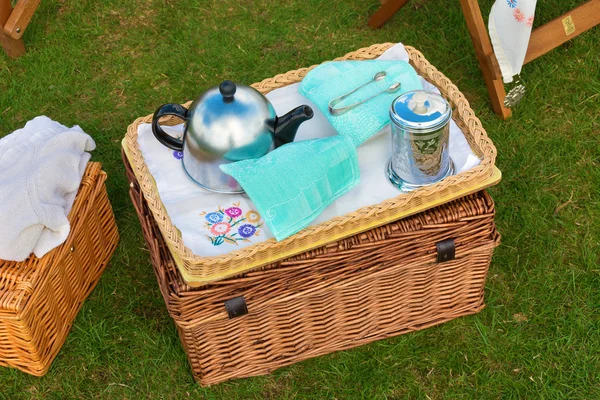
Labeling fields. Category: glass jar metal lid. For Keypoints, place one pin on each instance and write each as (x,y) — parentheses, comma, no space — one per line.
(420,110)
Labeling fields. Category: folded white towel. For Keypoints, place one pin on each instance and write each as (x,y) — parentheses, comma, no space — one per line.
(41,167)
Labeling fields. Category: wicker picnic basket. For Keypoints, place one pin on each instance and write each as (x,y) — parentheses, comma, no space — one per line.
(40,297)
(404,276)
(198,270)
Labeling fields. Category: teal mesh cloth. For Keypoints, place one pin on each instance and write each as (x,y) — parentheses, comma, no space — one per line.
(333,79)
(293,184)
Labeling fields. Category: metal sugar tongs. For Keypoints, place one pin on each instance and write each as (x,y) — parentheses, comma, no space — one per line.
(377,77)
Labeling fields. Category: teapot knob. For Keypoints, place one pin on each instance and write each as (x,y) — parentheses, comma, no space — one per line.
(227,89)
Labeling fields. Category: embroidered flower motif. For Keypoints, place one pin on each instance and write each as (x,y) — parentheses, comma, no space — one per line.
(214,217)
(518,14)
(220,228)
(246,230)
(176,153)
(252,216)
(233,212)
(529,22)
(511,3)
(221,224)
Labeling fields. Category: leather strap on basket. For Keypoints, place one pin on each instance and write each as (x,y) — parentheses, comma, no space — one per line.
(236,307)
(445,250)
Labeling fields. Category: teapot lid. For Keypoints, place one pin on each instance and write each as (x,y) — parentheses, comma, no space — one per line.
(420,110)
(229,116)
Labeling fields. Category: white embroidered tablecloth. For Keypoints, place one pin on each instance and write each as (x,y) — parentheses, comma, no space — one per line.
(214,224)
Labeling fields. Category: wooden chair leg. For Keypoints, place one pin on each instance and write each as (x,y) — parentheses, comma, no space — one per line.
(13,47)
(485,55)
(387,10)
(20,17)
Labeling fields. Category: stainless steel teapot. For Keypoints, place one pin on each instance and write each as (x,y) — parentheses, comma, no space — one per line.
(227,123)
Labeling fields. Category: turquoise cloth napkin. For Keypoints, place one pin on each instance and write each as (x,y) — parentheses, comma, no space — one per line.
(335,78)
(293,184)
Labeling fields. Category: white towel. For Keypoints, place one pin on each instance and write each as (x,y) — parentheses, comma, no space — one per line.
(510,28)
(41,167)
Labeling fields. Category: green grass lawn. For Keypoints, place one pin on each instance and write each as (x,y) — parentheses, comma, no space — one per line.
(101,64)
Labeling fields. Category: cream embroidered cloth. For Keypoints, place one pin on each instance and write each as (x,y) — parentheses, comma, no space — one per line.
(510,28)
(208,221)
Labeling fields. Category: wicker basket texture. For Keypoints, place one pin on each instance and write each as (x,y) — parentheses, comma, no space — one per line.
(40,297)
(374,285)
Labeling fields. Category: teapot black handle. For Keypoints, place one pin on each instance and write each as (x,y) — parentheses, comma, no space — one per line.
(164,138)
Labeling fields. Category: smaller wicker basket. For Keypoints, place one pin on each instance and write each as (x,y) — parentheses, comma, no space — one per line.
(198,270)
(40,297)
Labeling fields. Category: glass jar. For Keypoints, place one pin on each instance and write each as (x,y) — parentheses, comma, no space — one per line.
(420,136)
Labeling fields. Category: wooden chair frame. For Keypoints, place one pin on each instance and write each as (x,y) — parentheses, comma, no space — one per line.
(543,39)
(13,23)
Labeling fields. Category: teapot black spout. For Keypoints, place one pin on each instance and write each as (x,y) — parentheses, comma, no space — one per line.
(287,125)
